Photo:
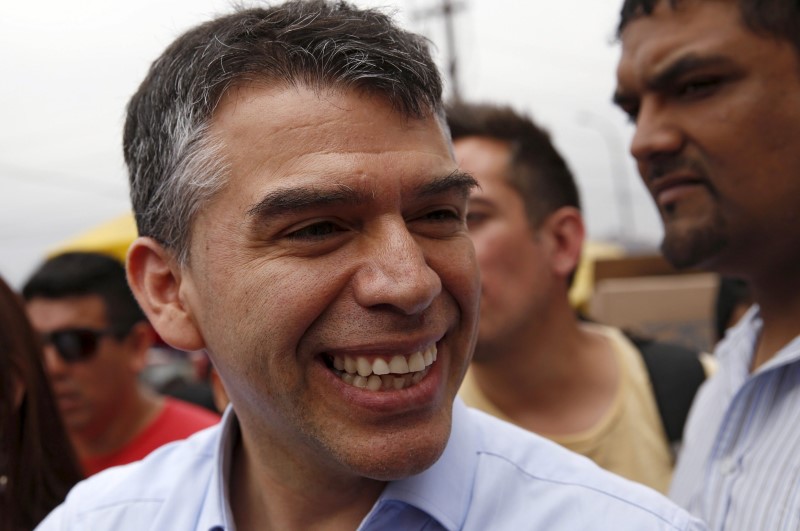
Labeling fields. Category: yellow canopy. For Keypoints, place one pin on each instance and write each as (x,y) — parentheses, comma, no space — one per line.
(583,284)
(112,238)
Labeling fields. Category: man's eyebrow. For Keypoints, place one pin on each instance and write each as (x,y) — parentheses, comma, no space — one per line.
(288,200)
(661,81)
(669,75)
(622,99)
(457,180)
(480,200)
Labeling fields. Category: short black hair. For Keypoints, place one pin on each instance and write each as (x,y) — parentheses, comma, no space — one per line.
(77,274)
(537,170)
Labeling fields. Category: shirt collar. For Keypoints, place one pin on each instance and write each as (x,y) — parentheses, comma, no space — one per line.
(443,491)
(216,514)
(739,345)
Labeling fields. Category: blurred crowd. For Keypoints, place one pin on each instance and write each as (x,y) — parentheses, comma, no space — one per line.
(349,302)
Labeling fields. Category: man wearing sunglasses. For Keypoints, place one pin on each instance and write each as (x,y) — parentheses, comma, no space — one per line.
(95,340)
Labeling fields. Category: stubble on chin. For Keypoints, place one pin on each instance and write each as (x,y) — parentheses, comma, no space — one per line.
(686,247)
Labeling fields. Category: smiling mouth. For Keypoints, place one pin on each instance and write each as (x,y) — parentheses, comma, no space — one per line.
(383,374)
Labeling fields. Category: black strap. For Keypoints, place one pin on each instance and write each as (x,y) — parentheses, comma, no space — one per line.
(676,373)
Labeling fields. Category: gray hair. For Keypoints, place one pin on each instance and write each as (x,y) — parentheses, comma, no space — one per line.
(176,166)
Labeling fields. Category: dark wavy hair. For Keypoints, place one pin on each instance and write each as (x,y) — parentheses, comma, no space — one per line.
(37,462)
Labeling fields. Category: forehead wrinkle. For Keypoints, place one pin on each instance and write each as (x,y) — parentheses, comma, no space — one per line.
(665,38)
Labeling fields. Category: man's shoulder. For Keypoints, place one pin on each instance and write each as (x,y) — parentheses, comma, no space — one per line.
(133,496)
(516,467)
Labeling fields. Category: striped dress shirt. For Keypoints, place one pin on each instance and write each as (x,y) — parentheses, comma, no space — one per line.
(740,464)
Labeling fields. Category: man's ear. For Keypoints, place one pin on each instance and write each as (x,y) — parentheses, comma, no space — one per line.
(155,278)
(567,232)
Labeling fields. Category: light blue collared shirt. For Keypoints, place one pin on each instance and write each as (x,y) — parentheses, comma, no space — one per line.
(492,475)
(740,464)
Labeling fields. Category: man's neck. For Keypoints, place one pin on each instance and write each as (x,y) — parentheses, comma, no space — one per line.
(779,307)
(273,490)
(556,377)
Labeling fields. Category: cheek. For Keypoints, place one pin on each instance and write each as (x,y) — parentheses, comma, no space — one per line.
(756,130)
(499,261)
(96,383)
(490,251)
(458,269)
(273,304)
(742,165)
(262,313)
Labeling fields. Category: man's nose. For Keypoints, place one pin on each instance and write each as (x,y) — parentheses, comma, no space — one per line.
(656,134)
(395,272)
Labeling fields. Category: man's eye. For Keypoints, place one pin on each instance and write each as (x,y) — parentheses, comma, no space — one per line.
(475,219)
(443,215)
(438,222)
(315,231)
(698,87)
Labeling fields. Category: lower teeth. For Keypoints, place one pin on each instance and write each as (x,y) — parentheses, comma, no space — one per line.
(386,382)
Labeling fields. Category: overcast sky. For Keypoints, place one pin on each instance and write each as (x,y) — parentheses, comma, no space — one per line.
(70,67)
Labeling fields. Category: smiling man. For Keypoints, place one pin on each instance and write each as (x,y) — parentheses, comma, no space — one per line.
(303,221)
(714,90)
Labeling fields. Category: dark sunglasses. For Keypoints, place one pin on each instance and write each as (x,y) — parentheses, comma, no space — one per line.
(76,344)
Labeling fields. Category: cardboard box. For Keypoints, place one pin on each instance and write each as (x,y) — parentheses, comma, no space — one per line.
(648,297)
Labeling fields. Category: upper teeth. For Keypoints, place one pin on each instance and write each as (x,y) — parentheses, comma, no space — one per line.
(398,364)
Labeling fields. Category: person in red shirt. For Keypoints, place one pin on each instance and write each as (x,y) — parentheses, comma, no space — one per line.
(96,340)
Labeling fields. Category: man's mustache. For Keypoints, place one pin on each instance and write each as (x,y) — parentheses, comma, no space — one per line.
(666,165)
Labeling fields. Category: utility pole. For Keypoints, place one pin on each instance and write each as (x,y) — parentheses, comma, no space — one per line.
(447,9)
